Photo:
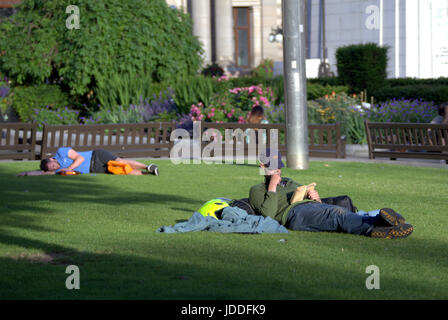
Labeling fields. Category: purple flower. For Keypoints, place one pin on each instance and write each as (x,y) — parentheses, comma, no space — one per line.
(160,104)
(4,92)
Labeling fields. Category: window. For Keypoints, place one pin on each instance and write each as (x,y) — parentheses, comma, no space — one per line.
(242,35)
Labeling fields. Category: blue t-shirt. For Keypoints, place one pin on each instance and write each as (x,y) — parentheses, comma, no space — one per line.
(64,161)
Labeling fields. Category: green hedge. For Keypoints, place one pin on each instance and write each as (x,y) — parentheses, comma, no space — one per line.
(316,91)
(393,82)
(26,99)
(362,66)
(400,82)
(435,93)
(326,81)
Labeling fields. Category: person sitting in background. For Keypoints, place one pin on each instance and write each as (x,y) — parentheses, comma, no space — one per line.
(442,117)
(67,159)
(256,116)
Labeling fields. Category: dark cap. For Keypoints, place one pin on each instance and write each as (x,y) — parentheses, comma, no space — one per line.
(272,159)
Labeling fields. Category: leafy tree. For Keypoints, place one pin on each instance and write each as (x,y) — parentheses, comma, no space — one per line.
(140,39)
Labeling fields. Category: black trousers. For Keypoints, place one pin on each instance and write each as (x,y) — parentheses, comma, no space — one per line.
(99,161)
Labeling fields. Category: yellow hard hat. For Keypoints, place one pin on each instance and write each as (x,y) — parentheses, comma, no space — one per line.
(211,207)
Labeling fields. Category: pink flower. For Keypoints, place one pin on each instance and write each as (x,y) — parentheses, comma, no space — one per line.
(265,101)
(241,120)
(195,110)
(252,89)
(229,115)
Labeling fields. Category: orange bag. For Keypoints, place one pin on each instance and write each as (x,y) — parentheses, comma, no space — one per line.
(116,167)
(69,173)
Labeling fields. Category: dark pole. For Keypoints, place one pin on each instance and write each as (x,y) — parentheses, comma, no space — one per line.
(293,12)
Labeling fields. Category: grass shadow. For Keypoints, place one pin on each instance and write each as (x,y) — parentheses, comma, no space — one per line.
(120,276)
(142,264)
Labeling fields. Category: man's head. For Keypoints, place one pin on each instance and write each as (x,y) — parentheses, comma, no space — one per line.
(256,114)
(49,164)
(442,109)
(271,162)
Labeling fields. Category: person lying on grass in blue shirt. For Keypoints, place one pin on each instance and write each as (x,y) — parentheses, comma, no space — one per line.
(96,161)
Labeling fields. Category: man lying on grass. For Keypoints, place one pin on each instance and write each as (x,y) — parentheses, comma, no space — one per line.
(96,161)
(273,198)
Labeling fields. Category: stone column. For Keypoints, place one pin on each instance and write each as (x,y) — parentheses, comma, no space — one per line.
(200,11)
(224,33)
(257,44)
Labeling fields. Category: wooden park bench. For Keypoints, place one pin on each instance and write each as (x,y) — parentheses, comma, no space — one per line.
(17,141)
(407,140)
(124,140)
(149,139)
(324,139)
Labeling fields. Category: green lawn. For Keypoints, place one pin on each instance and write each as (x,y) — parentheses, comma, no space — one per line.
(107,226)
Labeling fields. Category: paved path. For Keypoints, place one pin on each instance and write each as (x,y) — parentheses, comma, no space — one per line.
(406,162)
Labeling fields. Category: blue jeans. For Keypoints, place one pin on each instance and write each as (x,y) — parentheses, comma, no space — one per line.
(372,213)
(313,216)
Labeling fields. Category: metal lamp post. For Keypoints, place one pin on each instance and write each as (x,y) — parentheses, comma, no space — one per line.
(293,12)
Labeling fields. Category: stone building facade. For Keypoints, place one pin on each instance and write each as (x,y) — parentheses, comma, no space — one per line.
(416,32)
(238,33)
(235,32)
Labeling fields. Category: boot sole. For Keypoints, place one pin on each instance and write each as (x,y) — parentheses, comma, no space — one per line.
(403,231)
(391,217)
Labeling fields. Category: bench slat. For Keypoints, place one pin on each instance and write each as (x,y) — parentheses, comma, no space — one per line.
(124,140)
(153,139)
(17,140)
(421,155)
(429,139)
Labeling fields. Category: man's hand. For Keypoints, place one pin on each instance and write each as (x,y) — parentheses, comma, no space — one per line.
(276,178)
(314,195)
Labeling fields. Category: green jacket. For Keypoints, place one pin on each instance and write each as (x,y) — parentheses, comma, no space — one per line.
(274,204)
